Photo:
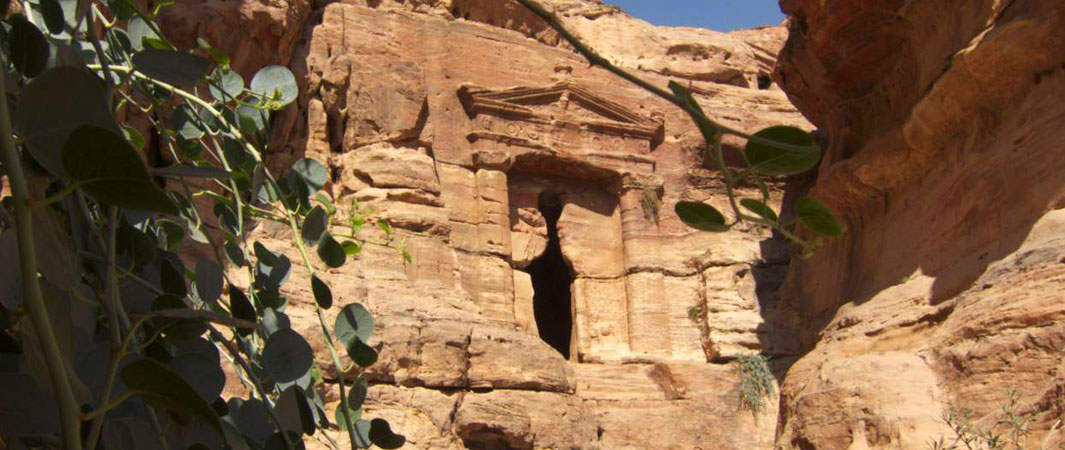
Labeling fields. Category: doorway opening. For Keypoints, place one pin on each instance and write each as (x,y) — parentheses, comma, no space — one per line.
(551,280)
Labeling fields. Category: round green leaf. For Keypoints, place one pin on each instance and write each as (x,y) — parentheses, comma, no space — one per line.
(358,392)
(253,421)
(133,136)
(29,50)
(382,436)
(170,233)
(312,173)
(353,322)
(198,346)
(53,15)
(294,411)
(186,123)
(362,434)
(180,69)
(272,276)
(227,85)
(274,321)
(53,105)
(210,120)
(352,248)
(272,299)
(234,253)
(178,328)
(759,208)
(701,216)
(139,32)
(263,254)
(322,295)
(316,222)
(362,354)
(202,372)
(218,56)
(156,384)
(789,152)
(287,356)
(331,252)
(208,280)
(111,171)
(251,120)
(241,308)
(818,217)
(172,275)
(227,219)
(338,416)
(276,84)
(326,202)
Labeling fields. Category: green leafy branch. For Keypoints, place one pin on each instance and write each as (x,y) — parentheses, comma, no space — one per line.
(65,124)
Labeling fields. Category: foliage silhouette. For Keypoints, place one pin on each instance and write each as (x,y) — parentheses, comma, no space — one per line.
(105,327)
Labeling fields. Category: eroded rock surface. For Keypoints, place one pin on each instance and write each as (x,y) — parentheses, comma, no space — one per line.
(945,159)
(489,145)
(454,121)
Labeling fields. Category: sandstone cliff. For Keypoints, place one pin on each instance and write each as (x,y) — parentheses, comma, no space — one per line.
(456,119)
(945,122)
(453,121)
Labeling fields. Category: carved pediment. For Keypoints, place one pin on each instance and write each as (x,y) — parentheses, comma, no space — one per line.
(562,103)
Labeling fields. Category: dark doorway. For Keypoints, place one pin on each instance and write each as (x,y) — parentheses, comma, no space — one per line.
(551,280)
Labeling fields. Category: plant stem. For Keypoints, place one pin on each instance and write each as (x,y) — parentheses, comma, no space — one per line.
(217,336)
(59,196)
(112,314)
(100,412)
(192,98)
(32,296)
(291,219)
(325,328)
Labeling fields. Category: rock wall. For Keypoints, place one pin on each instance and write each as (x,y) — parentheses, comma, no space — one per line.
(452,119)
(945,158)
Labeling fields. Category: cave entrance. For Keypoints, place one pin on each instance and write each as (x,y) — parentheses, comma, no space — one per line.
(551,280)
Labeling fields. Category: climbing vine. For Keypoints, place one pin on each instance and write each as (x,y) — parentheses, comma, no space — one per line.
(109,338)
(774,151)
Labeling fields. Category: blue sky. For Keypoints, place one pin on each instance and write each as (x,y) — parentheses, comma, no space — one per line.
(721,15)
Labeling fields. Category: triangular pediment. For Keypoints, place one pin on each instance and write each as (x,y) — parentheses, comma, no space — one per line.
(562,102)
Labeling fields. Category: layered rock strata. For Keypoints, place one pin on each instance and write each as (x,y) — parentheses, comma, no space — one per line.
(455,119)
(945,123)
(452,121)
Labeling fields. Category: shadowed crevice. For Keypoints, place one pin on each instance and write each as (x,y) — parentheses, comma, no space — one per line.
(551,280)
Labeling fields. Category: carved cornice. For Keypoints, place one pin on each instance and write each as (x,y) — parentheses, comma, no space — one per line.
(611,118)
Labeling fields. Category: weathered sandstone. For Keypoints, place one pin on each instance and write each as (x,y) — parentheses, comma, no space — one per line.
(945,158)
(450,122)
(495,151)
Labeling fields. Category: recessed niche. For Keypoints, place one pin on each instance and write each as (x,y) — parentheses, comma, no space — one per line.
(552,280)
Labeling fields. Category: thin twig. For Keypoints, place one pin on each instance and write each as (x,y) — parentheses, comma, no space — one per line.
(196,314)
(32,295)
(112,296)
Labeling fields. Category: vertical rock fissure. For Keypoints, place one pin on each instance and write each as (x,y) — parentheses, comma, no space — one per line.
(551,280)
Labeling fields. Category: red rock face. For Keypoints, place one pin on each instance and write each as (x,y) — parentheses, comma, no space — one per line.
(946,129)
(451,118)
